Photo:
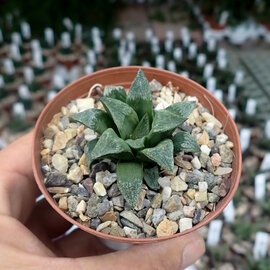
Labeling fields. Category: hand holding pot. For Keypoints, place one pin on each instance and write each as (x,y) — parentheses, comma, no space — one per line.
(31,234)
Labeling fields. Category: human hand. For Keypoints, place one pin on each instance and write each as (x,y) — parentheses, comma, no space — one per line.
(29,230)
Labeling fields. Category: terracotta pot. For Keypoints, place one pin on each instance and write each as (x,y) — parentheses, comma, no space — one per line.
(213,24)
(124,76)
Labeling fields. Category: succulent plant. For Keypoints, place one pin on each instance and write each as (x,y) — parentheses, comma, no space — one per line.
(137,137)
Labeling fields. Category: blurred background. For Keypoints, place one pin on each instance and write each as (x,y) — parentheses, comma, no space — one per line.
(223,45)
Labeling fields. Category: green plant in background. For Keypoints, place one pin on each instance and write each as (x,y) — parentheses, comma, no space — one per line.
(252,264)
(136,136)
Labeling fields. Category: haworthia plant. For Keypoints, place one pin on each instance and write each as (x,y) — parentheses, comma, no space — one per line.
(138,138)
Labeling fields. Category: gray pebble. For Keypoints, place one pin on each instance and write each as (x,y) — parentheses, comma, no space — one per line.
(118,201)
(113,191)
(79,191)
(127,223)
(173,204)
(94,223)
(158,216)
(103,207)
(72,203)
(57,180)
(197,216)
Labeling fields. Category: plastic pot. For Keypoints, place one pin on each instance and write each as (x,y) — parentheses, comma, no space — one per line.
(124,76)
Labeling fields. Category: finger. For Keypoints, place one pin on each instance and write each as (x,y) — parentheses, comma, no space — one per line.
(18,189)
(177,253)
(80,244)
(45,220)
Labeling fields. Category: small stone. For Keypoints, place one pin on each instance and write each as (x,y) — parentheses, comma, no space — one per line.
(63,203)
(108,216)
(204,159)
(205,149)
(197,216)
(229,144)
(101,166)
(166,193)
(185,224)
(156,202)
(81,207)
(226,154)
(60,141)
(213,198)
(201,196)
(204,138)
(142,213)
(221,139)
(222,170)
(100,175)
(176,215)
(149,230)
(223,189)
(203,186)
(75,175)
(103,207)
(94,223)
(149,214)
(129,224)
(88,185)
(155,85)
(103,225)
(178,160)
(173,204)
(50,132)
(56,180)
(216,159)
(210,167)
(188,211)
(118,201)
(164,181)
(140,202)
(117,231)
(60,163)
(158,215)
(80,191)
(178,184)
(99,189)
(48,143)
(58,189)
(72,203)
(166,228)
(83,218)
(191,193)
(85,103)
(109,179)
(196,163)
(130,233)
(169,173)
(211,119)
(70,133)
(132,218)
(114,191)
(194,177)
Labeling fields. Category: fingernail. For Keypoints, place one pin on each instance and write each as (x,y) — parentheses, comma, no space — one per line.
(192,252)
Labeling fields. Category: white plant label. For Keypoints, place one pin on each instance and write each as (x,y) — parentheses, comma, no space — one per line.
(245,134)
(2,83)
(261,245)
(239,77)
(232,112)
(229,212)
(130,36)
(160,61)
(9,67)
(68,24)
(15,52)
(192,50)
(168,45)
(224,17)
(88,69)
(65,40)
(18,110)
(24,92)
(148,34)
(35,45)
(132,47)
(171,66)
(221,53)
(219,95)
(208,71)
(211,84)
(185,74)
(78,33)
(201,60)
(214,232)
(58,81)
(51,95)
(1,36)
(91,57)
(211,44)
(146,64)
(37,59)
(267,129)
(251,106)
(170,35)
(177,54)
(231,93)
(16,38)
(117,33)
(222,63)
(260,180)
(49,36)
(25,29)
(186,40)
(265,165)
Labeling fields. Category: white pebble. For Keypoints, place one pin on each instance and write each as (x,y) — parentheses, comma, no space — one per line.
(203,186)
(185,224)
(205,149)
(166,193)
(196,163)
(99,189)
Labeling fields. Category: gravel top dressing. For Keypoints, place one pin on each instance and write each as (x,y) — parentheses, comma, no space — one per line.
(163,179)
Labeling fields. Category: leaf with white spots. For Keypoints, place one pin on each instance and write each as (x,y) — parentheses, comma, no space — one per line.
(95,119)
(183,109)
(162,154)
(140,97)
(129,181)
(150,176)
(116,92)
(183,141)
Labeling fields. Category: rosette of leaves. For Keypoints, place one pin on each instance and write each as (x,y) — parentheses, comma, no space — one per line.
(138,138)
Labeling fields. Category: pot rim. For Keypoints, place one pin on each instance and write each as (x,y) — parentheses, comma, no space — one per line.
(116,70)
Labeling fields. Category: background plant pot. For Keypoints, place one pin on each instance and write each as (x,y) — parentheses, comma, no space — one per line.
(124,76)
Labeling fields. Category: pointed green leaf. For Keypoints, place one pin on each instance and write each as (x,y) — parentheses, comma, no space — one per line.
(129,181)
(140,97)
(95,119)
(88,150)
(183,141)
(136,144)
(163,126)
(110,145)
(142,128)
(151,177)
(183,109)
(162,154)
(116,92)
(122,114)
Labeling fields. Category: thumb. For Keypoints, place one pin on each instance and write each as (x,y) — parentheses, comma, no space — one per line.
(176,253)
